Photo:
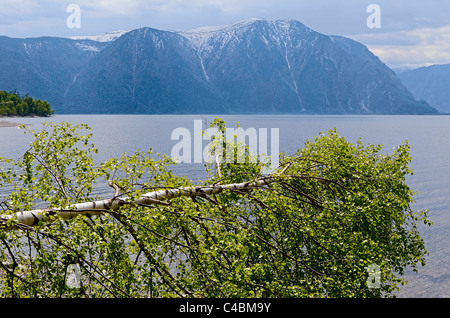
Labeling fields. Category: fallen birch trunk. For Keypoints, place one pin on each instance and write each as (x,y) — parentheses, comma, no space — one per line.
(32,218)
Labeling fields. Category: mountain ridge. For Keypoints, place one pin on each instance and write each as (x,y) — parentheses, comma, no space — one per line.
(251,66)
(430,83)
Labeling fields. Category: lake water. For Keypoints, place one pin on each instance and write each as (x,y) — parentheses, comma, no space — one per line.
(429,137)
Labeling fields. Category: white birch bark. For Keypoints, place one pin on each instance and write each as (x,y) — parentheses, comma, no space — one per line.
(32,218)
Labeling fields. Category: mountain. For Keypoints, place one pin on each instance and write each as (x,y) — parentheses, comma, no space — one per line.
(430,83)
(252,66)
(43,67)
(283,66)
(144,71)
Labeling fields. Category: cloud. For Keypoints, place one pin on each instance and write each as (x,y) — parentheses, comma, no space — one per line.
(220,5)
(17,7)
(108,8)
(413,48)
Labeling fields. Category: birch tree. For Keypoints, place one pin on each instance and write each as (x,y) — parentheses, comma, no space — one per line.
(316,227)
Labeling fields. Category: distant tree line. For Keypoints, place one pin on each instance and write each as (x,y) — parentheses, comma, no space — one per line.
(14,104)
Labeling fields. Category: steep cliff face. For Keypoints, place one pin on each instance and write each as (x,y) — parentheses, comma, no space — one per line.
(253,66)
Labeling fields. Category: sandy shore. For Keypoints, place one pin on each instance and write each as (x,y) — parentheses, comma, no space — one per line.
(4,123)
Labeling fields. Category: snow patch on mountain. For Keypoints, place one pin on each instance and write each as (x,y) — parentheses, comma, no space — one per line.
(107,37)
(86,47)
(200,37)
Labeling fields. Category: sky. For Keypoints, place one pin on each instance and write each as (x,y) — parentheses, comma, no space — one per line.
(402,33)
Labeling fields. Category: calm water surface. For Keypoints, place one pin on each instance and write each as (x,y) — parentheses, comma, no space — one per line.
(428,136)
